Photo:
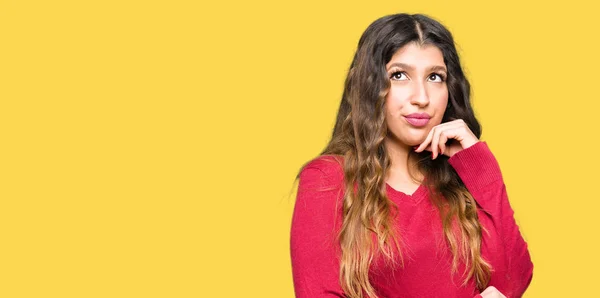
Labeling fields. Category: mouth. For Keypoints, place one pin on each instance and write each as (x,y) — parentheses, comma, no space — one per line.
(417,121)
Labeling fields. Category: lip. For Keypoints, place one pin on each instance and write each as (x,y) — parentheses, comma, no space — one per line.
(418,116)
(417,119)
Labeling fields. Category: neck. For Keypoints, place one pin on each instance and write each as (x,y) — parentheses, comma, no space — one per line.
(400,163)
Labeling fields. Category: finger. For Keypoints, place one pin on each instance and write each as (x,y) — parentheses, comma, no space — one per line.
(444,135)
(428,148)
(452,124)
(427,140)
(435,142)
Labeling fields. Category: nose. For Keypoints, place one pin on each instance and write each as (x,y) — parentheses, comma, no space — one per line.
(420,96)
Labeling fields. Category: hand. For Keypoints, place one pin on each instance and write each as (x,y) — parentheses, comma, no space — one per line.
(440,134)
(491,292)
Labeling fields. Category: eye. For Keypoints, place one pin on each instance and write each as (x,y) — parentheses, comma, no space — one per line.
(398,76)
(436,77)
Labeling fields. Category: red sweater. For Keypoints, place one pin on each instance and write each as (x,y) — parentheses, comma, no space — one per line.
(427,259)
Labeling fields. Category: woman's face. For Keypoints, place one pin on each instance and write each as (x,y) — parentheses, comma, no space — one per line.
(418,94)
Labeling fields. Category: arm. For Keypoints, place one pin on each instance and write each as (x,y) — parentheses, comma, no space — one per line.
(315,222)
(480,172)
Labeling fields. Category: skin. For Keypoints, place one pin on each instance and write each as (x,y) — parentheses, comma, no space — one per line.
(417,76)
(492,292)
(418,85)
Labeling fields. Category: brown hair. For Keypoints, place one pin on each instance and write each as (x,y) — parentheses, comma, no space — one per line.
(358,137)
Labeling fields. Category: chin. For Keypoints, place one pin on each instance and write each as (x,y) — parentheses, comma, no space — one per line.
(412,141)
(409,138)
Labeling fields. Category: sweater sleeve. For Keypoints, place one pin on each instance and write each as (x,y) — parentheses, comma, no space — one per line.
(480,172)
(315,222)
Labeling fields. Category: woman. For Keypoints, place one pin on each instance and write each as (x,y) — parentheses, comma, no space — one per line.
(405,201)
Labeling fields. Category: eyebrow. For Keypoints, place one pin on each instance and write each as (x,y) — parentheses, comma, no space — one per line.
(410,67)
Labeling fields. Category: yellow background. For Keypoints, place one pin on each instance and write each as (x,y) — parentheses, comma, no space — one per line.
(149,148)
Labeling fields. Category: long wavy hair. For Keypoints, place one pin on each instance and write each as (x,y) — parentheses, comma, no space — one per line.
(358,136)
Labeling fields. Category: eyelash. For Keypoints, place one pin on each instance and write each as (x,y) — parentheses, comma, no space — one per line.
(443,78)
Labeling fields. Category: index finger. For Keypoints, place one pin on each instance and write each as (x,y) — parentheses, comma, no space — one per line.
(427,141)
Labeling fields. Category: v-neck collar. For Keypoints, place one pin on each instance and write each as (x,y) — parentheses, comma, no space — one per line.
(416,196)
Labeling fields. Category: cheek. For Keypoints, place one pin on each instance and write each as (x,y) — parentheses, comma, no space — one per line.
(443,104)
(441,99)
(394,101)
(441,110)
(390,111)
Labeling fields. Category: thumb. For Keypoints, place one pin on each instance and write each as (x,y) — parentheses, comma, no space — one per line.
(428,148)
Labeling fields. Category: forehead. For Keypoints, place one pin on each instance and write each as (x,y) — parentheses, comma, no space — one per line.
(418,56)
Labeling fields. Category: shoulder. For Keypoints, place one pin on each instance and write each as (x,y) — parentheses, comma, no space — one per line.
(328,164)
(326,168)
